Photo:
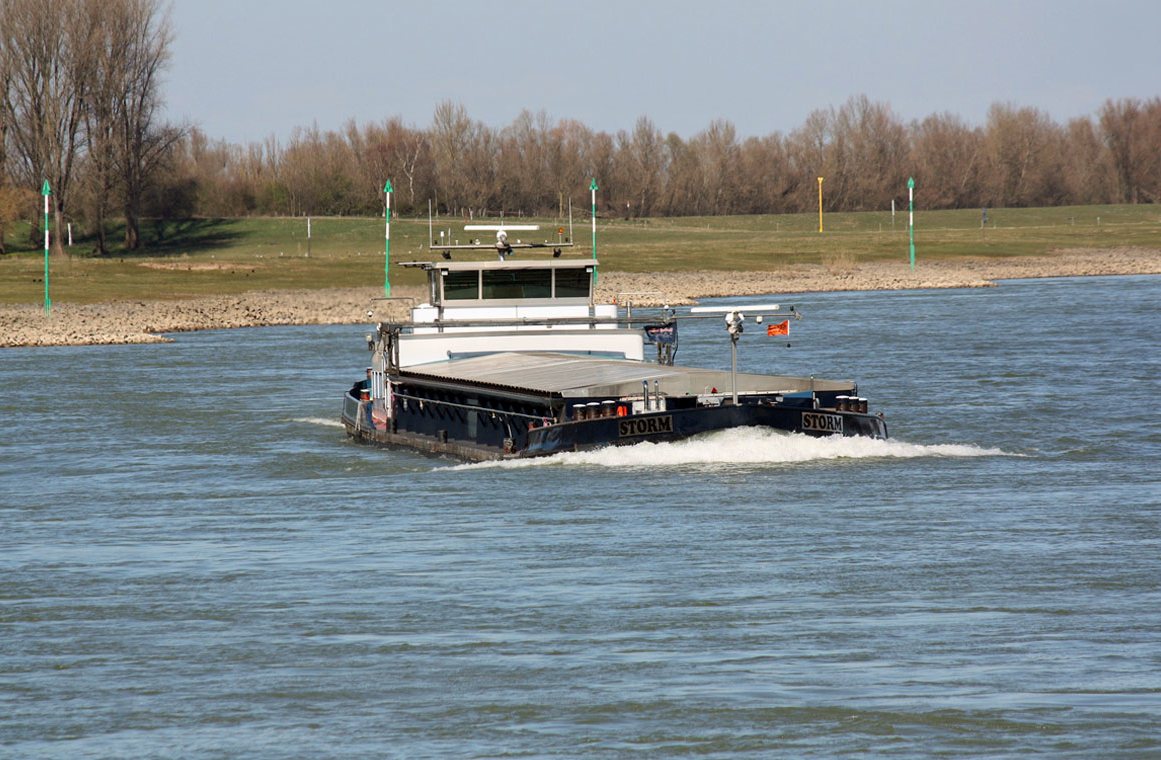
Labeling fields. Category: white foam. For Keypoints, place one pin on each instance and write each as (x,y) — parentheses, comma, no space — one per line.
(747,446)
(318,421)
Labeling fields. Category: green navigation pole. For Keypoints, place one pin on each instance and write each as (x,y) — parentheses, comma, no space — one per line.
(387,249)
(46,191)
(593,190)
(911,217)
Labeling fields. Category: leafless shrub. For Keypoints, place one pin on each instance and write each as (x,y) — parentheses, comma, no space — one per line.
(840,263)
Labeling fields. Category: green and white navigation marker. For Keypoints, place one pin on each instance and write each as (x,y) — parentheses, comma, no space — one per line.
(911,217)
(593,190)
(387,249)
(46,191)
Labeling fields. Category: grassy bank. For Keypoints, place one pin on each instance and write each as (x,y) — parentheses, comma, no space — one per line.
(224,256)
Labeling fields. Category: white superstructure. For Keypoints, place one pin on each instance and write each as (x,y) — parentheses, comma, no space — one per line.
(484,307)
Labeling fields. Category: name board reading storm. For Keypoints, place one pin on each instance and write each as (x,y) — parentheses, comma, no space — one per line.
(648,426)
(826,423)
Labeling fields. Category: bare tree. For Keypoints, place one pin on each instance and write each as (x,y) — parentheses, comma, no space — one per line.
(109,49)
(645,151)
(48,57)
(809,150)
(211,167)
(765,180)
(1122,124)
(947,161)
(303,165)
(1151,136)
(876,153)
(601,165)
(84,94)
(410,151)
(682,189)
(5,118)
(569,145)
(522,166)
(719,164)
(480,169)
(393,151)
(145,143)
(1088,175)
(451,139)
(1021,146)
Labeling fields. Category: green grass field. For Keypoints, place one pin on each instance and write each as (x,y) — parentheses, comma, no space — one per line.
(222,256)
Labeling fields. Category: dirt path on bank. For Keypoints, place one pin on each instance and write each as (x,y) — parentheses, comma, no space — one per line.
(145,321)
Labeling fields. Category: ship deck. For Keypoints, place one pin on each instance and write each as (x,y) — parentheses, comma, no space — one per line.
(558,375)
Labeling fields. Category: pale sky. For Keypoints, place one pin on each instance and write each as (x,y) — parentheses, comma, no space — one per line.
(246,69)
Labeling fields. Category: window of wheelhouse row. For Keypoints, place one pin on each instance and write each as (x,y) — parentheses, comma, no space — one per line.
(461,286)
(573,283)
(517,283)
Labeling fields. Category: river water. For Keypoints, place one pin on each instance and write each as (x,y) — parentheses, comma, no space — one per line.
(194,562)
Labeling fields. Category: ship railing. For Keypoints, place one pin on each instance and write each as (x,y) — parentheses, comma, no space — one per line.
(590,321)
(628,302)
(496,413)
(665,313)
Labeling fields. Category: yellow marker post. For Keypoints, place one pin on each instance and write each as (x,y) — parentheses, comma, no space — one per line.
(820,204)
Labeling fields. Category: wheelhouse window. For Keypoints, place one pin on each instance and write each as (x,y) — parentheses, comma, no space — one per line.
(573,283)
(461,286)
(512,284)
(517,283)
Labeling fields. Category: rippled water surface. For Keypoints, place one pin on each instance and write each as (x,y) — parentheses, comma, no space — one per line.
(194,562)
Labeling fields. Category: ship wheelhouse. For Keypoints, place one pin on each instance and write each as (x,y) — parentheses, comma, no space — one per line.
(484,307)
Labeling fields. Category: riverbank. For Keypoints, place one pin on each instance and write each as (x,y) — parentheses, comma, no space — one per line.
(146,321)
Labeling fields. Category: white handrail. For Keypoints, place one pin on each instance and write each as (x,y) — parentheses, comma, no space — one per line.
(731,309)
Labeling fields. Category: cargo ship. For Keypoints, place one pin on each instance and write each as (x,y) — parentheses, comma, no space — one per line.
(514,358)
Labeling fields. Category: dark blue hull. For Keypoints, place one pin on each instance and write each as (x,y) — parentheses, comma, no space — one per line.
(480,427)
(684,423)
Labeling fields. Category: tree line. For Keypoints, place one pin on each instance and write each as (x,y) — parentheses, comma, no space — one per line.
(80,105)
(1019,157)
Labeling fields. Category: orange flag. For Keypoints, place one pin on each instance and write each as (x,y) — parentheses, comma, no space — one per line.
(782,328)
